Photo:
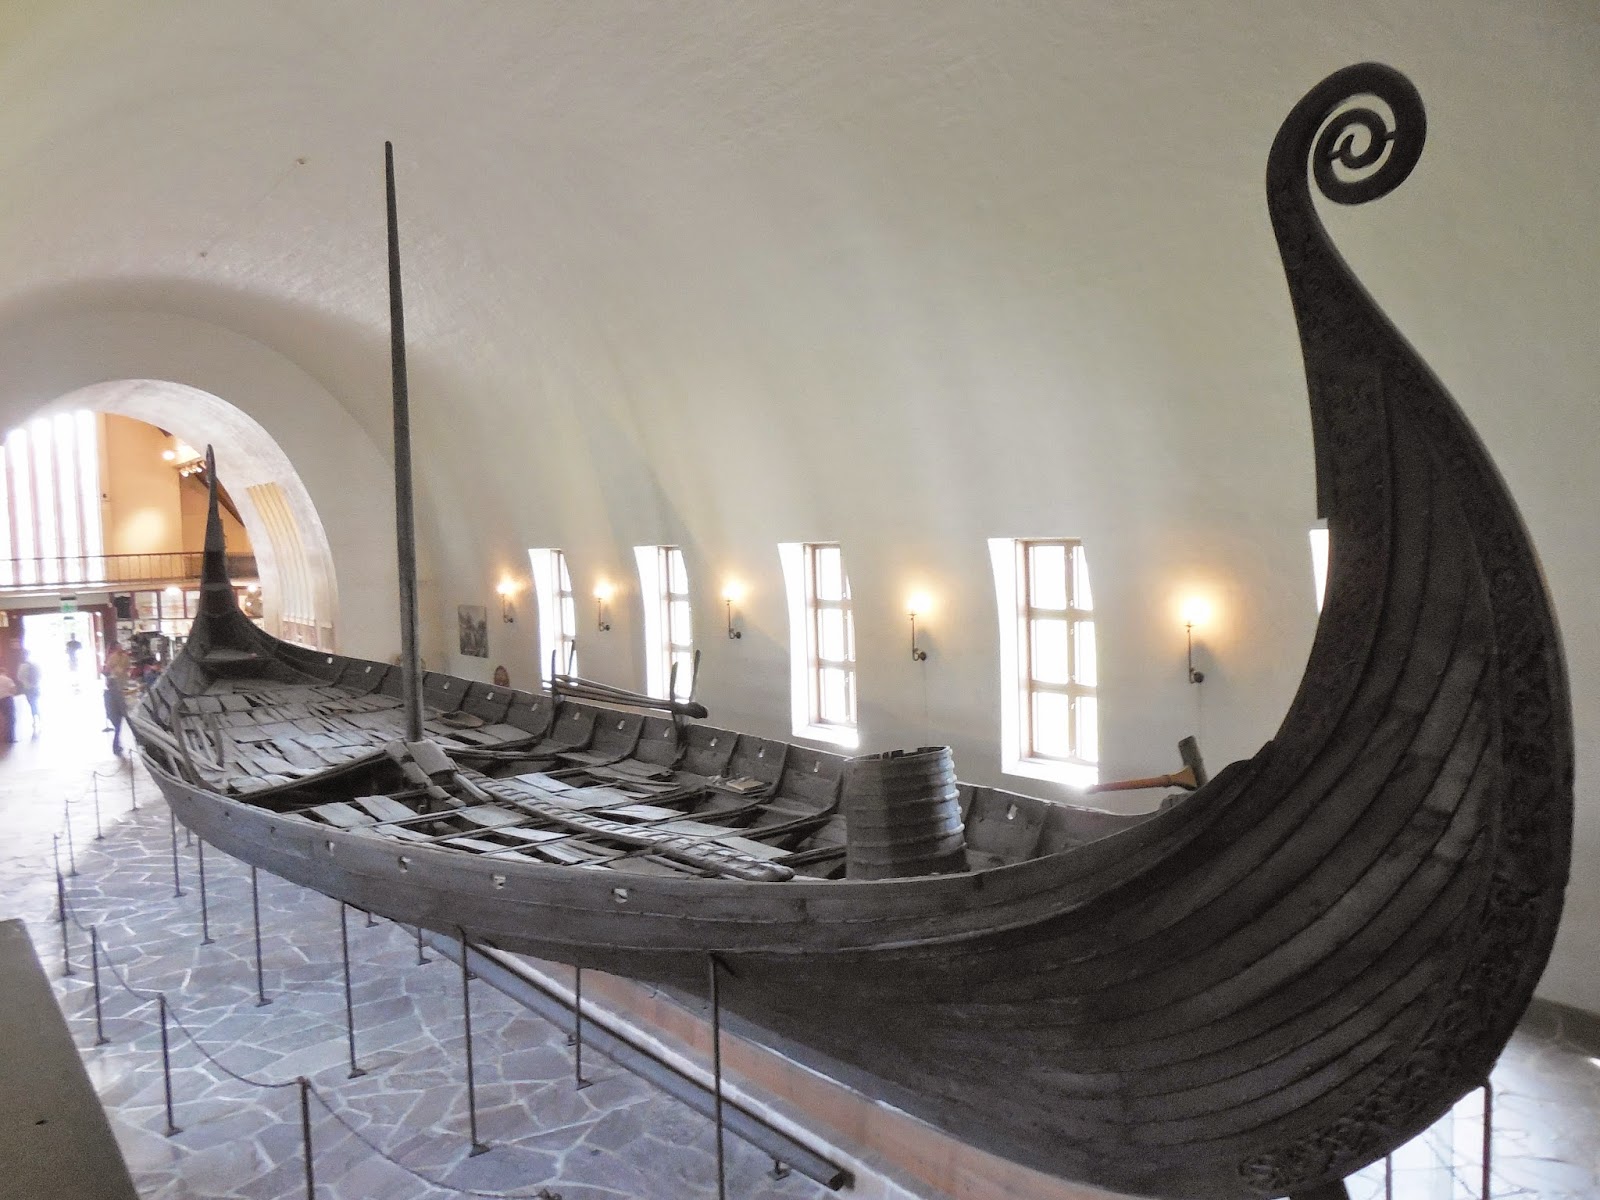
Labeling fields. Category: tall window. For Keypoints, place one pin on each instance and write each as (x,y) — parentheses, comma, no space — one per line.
(669,639)
(1049,708)
(558,613)
(1058,630)
(822,643)
(50,489)
(831,637)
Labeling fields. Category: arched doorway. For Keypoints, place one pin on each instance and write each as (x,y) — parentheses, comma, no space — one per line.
(299,588)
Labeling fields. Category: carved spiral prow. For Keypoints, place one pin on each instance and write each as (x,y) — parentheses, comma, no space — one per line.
(1339,135)
(1361,153)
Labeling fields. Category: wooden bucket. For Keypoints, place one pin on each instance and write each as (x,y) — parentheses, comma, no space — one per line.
(903,815)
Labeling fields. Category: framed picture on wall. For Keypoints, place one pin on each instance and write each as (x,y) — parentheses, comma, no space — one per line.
(474,622)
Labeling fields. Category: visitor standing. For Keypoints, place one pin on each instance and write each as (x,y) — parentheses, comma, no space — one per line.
(8,707)
(116,672)
(73,646)
(28,678)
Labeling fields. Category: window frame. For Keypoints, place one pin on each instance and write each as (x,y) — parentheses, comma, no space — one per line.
(1012,609)
(816,665)
(810,715)
(1079,620)
(667,640)
(558,611)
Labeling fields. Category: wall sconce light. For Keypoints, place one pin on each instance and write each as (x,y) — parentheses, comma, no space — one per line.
(919,604)
(602,593)
(1196,611)
(506,589)
(730,593)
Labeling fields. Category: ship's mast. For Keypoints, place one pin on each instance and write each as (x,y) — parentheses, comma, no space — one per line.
(404,521)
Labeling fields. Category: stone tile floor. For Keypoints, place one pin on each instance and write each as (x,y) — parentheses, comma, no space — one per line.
(616,1139)
(400,1130)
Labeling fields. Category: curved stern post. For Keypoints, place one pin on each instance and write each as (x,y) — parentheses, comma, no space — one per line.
(217,621)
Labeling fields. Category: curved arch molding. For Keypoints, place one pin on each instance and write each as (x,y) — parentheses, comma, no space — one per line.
(314,490)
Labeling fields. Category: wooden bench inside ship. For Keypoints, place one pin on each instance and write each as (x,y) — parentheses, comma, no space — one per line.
(627,791)
(638,793)
(247,736)
(761,799)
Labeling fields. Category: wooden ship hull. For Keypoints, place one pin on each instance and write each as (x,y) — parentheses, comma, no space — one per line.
(1252,993)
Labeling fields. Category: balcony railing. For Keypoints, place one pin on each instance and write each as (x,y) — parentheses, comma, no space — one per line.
(113,572)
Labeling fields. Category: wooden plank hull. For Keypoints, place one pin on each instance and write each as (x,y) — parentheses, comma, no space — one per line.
(1253,993)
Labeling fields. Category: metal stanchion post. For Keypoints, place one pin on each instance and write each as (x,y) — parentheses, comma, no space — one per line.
(349,1002)
(422,959)
(100,1038)
(466,1019)
(177,888)
(305,1136)
(72,858)
(166,1064)
(578,1081)
(716,1074)
(99,833)
(1388,1177)
(133,795)
(205,916)
(371,920)
(66,949)
(188,836)
(61,886)
(255,916)
(1488,1130)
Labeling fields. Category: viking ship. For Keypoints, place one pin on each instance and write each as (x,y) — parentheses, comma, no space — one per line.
(1252,992)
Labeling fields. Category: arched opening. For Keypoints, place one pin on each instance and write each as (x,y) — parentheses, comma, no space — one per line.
(298,587)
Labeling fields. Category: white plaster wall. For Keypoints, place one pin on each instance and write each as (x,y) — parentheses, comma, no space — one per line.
(728,275)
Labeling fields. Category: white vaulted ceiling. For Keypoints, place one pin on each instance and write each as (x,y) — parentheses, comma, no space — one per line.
(905,276)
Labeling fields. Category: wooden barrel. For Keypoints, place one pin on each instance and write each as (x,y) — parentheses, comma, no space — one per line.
(903,815)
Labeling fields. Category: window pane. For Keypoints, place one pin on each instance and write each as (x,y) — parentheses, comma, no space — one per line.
(44,474)
(1088,669)
(678,619)
(569,616)
(832,644)
(1081,596)
(829,573)
(1050,662)
(22,498)
(1047,576)
(677,577)
(835,701)
(89,482)
(66,428)
(561,567)
(685,665)
(1088,730)
(1052,716)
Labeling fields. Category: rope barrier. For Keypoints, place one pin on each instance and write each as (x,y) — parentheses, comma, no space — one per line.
(145,998)
(544,1192)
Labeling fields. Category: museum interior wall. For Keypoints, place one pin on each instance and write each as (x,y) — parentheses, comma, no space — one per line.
(721,278)
(149,508)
